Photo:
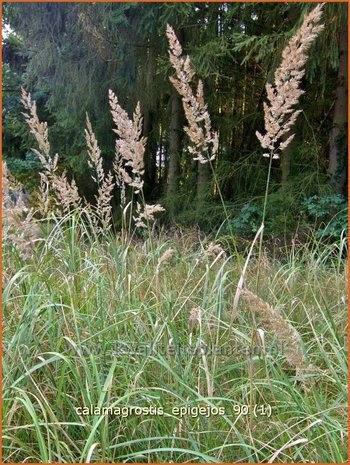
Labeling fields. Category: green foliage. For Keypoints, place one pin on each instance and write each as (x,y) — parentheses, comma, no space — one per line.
(183,211)
(328,214)
(287,211)
(14,131)
(247,222)
(25,170)
(282,214)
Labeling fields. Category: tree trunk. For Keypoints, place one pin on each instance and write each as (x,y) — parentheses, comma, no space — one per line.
(286,157)
(174,145)
(203,182)
(337,142)
(285,166)
(150,151)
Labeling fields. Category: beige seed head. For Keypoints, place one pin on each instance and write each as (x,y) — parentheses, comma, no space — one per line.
(284,93)
(205,141)
(279,326)
(195,317)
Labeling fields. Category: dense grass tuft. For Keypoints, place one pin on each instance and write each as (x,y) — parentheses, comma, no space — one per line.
(96,320)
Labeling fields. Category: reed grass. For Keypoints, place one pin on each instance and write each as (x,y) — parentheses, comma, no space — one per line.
(107,322)
(74,311)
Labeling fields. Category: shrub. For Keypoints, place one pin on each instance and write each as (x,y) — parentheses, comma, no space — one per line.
(328,214)
(248,220)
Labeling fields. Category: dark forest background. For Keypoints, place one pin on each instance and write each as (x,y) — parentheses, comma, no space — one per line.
(69,54)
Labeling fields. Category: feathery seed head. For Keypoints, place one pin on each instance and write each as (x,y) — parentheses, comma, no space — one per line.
(166,256)
(274,321)
(66,193)
(285,93)
(195,316)
(205,141)
(146,214)
(130,147)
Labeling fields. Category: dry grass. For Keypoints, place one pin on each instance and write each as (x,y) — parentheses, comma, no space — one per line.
(278,325)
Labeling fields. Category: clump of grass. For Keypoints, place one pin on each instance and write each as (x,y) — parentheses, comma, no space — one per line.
(92,321)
